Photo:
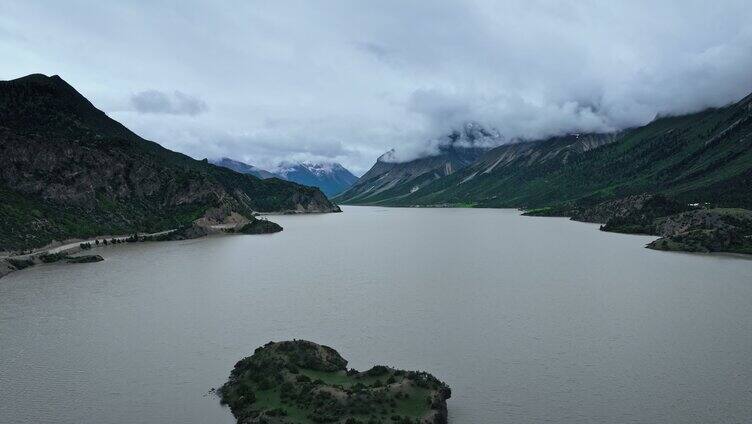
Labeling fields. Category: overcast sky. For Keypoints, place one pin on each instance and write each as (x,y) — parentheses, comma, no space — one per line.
(348,80)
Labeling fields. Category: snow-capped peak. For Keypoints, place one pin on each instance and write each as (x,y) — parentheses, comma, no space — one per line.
(316,168)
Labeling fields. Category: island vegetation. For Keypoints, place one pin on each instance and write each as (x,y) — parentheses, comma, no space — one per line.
(304,382)
(259,226)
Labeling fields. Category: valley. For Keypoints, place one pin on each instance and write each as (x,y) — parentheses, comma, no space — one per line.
(702,159)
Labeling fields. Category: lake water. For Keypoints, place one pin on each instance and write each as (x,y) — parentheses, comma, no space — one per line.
(527,319)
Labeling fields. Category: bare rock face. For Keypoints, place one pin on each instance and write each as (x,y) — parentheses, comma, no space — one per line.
(68,170)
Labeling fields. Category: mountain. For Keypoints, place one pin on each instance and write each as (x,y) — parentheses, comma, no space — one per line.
(243,168)
(331,178)
(699,157)
(68,170)
(390,180)
(507,167)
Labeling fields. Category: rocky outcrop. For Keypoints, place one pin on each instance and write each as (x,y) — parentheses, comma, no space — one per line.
(632,214)
(706,230)
(84,259)
(259,226)
(186,232)
(284,382)
(12,264)
(688,228)
(681,227)
(69,171)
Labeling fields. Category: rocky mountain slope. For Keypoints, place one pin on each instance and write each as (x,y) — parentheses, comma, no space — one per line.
(700,157)
(68,170)
(390,181)
(331,178)
(243,168)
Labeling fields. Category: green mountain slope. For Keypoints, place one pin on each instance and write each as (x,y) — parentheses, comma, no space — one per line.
(701,157)
(68,170)
(389,180)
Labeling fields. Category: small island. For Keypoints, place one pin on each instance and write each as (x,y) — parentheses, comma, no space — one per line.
(259,226)
(304,382)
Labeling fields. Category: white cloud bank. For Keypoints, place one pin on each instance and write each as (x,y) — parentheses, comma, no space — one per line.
(175,103)
(349,80)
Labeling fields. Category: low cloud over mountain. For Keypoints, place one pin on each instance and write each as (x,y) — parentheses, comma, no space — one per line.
(175,103)
(365,77)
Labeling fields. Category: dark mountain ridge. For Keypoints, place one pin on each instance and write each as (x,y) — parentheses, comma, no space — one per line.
(243,168)
(68,170)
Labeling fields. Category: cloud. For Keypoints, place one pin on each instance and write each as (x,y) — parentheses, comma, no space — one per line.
(267,145)
(353,81)
(378,51)
(520,118)
(175,103)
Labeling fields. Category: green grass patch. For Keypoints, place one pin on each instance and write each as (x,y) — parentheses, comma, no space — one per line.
(302,382)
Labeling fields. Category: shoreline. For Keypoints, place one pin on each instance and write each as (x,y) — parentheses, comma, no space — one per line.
(569,217)
(10,263)
(67,247)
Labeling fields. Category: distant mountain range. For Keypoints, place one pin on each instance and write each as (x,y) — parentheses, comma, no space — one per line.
(695,158)
(243,168)
(67,170)
(331,178)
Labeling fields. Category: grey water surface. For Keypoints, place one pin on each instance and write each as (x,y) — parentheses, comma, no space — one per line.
(527,319)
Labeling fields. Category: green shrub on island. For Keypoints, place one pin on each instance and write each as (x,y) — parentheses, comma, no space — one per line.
(303,382)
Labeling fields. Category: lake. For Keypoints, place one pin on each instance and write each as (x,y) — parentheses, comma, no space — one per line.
(527,319)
